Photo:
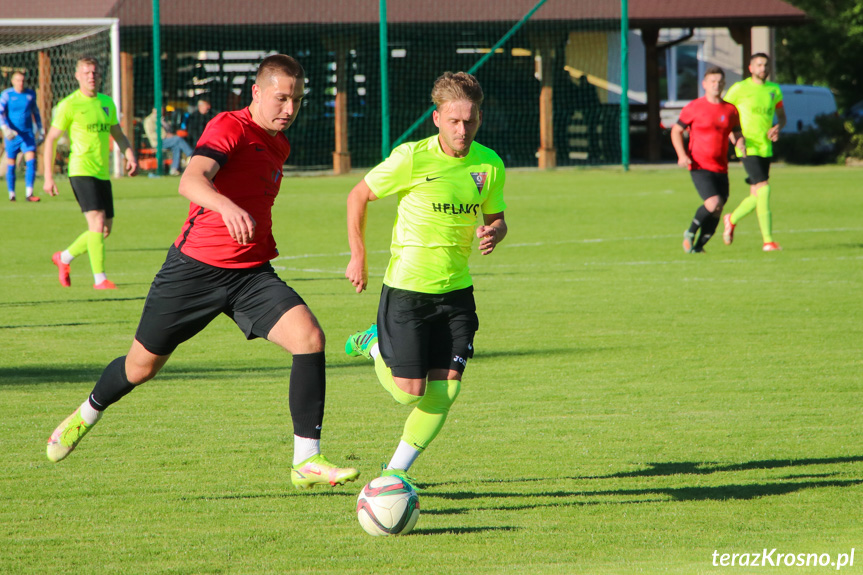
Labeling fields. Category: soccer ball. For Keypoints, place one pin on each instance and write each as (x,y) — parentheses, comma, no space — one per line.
(388,506)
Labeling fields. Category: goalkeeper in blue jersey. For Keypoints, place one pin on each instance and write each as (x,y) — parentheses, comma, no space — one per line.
(18,114)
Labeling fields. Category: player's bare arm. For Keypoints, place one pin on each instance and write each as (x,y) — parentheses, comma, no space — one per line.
(357,271)
(196,185)
(492,233)
(773,133)
(739,142)
(128,152)
(48,160)
(683,158)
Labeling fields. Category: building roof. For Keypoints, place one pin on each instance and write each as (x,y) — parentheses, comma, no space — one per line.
(642,13)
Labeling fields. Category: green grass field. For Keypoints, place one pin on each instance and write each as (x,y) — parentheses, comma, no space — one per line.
(630,408)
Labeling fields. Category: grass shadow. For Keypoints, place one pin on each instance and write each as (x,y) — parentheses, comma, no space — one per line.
(58,374)
(687,468)
(729,492)
(48,374)
(280,495)
(706,468)
(70,324)
(459,530)
(68,300)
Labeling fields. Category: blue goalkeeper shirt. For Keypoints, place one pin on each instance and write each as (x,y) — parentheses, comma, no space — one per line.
(18,110)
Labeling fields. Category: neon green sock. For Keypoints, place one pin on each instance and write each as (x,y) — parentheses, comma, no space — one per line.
(96,250)
(79,246)
(744,209)
(427,418)
(765,216)
(385,376)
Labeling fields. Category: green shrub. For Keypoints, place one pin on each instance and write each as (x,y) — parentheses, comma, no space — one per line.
(833,140)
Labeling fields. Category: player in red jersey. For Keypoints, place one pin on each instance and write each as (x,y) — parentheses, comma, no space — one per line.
(710,120)
(220,264)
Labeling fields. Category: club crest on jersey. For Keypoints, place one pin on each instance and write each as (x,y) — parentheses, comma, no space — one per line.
(105,109)
(479,179)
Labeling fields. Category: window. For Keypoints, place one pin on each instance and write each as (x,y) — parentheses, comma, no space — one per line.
(680,70)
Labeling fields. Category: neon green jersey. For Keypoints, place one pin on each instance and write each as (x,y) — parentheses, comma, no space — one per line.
(440,201)
(88,122)
(757,105)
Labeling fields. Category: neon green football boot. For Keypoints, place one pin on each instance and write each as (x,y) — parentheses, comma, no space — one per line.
(401,474)
(362,342)
(317,470)
(67,436)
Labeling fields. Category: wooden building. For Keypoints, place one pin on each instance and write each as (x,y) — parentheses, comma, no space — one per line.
(337,42)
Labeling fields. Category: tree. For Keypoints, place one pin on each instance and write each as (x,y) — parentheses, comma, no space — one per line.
(827,50)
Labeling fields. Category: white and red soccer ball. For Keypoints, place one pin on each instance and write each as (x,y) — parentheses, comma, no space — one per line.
(388,506)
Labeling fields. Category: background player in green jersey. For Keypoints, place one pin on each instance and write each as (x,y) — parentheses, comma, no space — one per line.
(757,101)
(427,315)
(90,118)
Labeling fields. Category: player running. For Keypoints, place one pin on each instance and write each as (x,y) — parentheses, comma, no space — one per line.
(710,120)
(757,101)
(427,316)
(18,113)
(90,118)
(220,264)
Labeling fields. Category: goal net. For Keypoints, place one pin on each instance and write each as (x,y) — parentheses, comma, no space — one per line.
(559,72)
(47,51)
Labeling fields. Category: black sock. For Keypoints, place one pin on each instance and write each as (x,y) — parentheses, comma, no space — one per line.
(112,386)
(708,226)
(701,215)
(307,393)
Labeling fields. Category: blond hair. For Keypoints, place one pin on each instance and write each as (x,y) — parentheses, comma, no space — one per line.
(451,87)
(86,60)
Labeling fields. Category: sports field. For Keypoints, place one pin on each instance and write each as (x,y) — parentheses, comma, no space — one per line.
(630,408)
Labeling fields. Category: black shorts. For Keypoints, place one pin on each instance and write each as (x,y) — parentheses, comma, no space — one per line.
(186,295)
(757,169)
(709,184)
(93,194)
(419,331)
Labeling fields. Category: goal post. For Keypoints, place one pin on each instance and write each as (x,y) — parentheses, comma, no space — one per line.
(49,48)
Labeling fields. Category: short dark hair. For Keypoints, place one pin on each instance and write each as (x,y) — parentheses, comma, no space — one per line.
(714,70)
(759,55)
(279,64)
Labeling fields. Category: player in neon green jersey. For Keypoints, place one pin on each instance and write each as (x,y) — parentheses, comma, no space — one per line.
(90,118)
(758,101)
(446,185)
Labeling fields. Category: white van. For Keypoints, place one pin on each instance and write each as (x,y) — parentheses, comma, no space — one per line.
(803,104)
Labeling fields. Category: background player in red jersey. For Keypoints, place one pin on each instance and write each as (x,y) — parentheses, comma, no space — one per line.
(220,264)
(710,120)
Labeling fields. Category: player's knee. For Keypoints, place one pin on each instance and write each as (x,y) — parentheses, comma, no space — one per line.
(312,340)
(440,395)
(138,373)
(317,339)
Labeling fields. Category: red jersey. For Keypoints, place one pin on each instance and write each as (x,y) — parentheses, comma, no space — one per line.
(250,172)
(709,126)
